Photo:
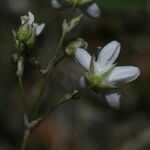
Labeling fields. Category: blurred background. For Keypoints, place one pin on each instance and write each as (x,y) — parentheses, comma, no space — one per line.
(87,124)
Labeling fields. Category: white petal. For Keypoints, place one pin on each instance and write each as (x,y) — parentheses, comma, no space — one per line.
(56,4)
(39,29)
(124,74)
(82,82)
(83,58)
(109,53)
(24,19)
(91,10)
(31,18)
(113,99)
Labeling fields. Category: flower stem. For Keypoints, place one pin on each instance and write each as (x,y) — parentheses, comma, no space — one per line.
(63,100)
(23,103)
(40,96)
(25,139)
(44,83)
(59,46)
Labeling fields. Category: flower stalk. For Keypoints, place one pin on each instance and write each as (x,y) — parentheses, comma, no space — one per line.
(25,139)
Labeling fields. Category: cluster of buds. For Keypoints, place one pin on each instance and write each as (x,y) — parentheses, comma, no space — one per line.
(28,31)
(103,75)
(88,7)
(25,37)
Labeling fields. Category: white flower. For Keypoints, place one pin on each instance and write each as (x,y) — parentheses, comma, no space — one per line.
(28,30)
(88,7)
(56,4)
(103,74)
(29,20)
(91,10)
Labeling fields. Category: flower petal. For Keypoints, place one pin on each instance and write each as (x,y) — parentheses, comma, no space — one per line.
(56,4)
(124,74)
(82,82)
(39,28)
(92,10)
(113,99)
(109,54)
(31,18)
(83,58)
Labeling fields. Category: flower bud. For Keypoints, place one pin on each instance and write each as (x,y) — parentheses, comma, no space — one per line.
(28,31)
(31,41)
(68,26)
(71,48)
(24,33)
(71,3)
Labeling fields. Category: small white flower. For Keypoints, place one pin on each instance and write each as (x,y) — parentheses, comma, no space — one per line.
(103,74)
(88,7)
(91,10)
(29,20)
(38,28)
(28,30)
(55,4)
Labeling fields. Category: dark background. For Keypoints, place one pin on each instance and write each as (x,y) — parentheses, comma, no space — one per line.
(88,124)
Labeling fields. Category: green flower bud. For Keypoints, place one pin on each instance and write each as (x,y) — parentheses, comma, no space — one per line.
(71,48)
(74,3)
(68,26)
(24,33)
(80,2)
(31,41)
(28,31)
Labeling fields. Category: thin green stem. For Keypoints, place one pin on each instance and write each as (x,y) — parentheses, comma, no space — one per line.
(59,60)
(42,90)
(40,96)
(44,83)
(59,46)
(23,103)
(61,102)
(25,139)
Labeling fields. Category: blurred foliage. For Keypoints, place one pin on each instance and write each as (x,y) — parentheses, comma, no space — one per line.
(122,4)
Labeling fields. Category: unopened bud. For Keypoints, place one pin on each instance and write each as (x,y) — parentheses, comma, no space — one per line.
(68,26)
(71,48)
(24,33)
(28,31)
